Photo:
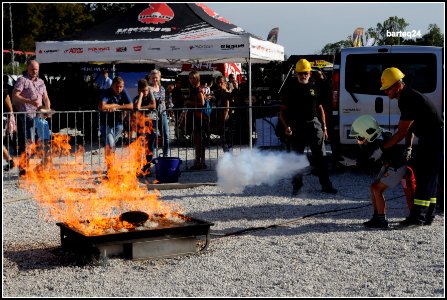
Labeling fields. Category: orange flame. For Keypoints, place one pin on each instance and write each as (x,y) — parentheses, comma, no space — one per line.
(69,191)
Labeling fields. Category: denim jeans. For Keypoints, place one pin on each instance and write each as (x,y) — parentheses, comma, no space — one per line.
(163,126)
(111,134)
(25,131)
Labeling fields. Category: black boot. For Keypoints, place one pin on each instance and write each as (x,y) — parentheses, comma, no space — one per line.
(430,215)
(329,189)
(374,217)
(9,166)
(296,188)
(411,221)
(415,218)
(429,220)
(377,221)
(297,184)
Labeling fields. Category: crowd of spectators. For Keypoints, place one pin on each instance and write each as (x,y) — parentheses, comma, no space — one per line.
(79,91)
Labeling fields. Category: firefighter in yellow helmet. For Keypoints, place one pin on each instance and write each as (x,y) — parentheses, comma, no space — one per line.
(420,118)
(304,120)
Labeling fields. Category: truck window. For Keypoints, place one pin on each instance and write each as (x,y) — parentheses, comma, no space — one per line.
(363,71)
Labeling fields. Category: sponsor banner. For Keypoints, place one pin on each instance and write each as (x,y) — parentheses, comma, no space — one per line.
(321,64)
(232,68)
(88,51)
(225,68)
(165,51)
(266,50)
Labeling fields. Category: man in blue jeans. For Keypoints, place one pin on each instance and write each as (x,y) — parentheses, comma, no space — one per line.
(111,121)
(29,93)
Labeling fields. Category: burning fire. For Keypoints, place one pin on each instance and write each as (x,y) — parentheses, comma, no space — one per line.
(69,191)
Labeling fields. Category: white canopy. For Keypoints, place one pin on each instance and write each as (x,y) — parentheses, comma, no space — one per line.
(164,34)
(167,34)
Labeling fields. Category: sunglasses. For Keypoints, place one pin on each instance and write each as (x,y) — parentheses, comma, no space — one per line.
(390,88)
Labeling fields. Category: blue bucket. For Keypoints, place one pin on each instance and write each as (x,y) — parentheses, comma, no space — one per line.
(167,169)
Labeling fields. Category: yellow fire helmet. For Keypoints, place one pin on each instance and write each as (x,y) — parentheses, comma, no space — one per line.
(303,66)
(390,76)
(366,128)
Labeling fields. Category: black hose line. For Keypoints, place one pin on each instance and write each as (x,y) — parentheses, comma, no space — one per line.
(295,220)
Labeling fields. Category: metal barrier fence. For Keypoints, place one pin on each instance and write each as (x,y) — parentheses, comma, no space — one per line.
(82,128)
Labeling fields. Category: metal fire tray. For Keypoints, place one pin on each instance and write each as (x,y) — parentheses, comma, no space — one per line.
(174,239)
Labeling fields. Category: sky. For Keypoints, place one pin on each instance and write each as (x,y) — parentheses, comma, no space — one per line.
(305,28)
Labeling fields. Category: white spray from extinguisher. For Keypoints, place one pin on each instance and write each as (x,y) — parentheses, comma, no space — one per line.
(255,167)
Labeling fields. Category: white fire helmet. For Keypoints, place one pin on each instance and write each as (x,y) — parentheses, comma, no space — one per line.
(365,128)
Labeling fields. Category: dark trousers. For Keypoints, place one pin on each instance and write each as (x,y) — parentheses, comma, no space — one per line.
(428,157)
(227,135)
(310,133)
(200,136)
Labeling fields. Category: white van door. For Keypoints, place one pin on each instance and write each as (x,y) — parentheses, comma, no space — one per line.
(360,72)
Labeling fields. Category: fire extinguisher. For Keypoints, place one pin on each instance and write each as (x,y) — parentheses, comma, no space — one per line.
(409,185)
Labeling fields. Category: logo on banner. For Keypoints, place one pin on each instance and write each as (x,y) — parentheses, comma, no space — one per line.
(157,13)
(154,49)
(137,48)
(232,68)
(121,49)
(74,50)
(262,48)
(98,49)
(174,48)
(144,29)
(231,47)
(200,46)
(48,51)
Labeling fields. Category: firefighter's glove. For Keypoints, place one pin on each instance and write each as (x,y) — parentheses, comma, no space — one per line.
(407,154)
(376,155)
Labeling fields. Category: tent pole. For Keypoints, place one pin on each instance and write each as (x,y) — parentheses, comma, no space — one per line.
(12,40)
(250,112)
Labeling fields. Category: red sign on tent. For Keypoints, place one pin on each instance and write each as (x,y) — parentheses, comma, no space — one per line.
(19,52)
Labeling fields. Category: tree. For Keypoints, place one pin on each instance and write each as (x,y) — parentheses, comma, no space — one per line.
(434,37)
(41,21)
(33,22)
(332,48)
(103,11)
(390,27)
(383,35)
(371,33)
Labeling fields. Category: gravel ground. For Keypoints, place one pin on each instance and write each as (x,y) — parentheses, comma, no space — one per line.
(264,243)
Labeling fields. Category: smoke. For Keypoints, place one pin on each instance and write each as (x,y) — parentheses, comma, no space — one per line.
(255,167)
